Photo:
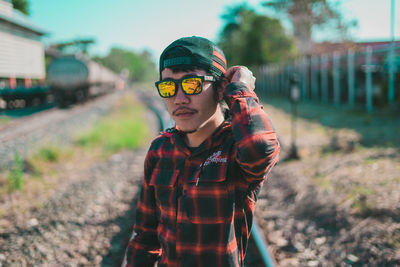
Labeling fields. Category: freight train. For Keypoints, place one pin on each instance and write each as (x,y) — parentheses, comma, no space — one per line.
(22,66)
(70,80)
(74,79)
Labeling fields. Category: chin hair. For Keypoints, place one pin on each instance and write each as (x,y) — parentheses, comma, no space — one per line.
(190,131)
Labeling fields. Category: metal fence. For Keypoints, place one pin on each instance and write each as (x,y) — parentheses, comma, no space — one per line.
(368,78)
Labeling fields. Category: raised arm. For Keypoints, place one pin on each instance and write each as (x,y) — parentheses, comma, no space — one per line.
(257,147)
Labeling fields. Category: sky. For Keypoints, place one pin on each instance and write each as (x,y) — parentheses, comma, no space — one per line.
(153,24)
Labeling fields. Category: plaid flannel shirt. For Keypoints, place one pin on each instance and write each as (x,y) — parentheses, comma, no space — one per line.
(196,206)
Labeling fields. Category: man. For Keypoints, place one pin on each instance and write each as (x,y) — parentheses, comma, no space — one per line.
(203,175)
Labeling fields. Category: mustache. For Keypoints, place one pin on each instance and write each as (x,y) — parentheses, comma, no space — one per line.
(183,109)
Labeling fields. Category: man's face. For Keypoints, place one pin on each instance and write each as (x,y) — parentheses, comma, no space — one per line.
(191,112)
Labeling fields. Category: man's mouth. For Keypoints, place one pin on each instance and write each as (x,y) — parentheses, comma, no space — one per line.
(184,112)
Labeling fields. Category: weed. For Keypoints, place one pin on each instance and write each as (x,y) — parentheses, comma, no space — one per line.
(16,175)
(49,153)
(394,239)
(4,120)
(361,205)
(323,182)
(361,190)
(124,128)
(40,162)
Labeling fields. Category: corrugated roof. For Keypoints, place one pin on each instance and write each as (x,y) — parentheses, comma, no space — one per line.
(19,19)
(327,47)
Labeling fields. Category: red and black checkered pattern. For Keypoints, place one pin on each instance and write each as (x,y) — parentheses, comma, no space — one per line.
(196,205)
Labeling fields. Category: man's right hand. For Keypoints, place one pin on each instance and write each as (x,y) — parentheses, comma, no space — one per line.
(239,74)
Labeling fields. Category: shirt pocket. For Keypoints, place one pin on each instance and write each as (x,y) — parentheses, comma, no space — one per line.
(209,201)
(164,183)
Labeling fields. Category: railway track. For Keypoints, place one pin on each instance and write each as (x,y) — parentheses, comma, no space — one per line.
(25,134)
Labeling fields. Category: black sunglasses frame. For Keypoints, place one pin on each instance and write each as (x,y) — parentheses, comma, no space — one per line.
(203,79)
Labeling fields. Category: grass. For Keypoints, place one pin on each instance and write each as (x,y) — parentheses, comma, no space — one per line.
(123,129)
(50,153)
(4,120)
(323,182)
(41,161)
(375,130)
(16,175)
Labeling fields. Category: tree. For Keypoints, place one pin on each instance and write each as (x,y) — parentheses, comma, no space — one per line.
(305,14)
(139,65)
(21,5)
(251,39)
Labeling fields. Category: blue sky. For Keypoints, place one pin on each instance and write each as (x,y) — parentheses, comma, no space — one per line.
(153,24)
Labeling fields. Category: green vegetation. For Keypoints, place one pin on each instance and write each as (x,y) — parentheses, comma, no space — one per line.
(252,39)
(16,174)
(360,190)
(370,130)
(323,182)
(124,128)
(4,120)
(305,16)
(21,5)
(50,153)
(40,161)
(360,199)
(139,67)
(394,239)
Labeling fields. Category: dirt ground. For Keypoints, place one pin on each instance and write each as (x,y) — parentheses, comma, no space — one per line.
(338,204)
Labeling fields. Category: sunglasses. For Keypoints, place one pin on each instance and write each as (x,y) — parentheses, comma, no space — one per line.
(191,85)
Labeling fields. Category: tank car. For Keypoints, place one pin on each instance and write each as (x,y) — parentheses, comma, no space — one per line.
(75,79)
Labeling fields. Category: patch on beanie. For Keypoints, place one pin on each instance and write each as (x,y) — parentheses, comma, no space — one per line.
(177,61)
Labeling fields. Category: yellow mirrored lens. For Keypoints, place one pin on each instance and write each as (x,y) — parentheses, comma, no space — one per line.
(192,85)
(167,88)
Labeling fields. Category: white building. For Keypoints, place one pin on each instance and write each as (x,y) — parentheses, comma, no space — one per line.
(21,52)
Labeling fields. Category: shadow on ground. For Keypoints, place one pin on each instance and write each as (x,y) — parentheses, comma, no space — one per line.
(120,241)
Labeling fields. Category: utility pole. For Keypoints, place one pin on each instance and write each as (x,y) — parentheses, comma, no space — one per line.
(294,99)
(391,56)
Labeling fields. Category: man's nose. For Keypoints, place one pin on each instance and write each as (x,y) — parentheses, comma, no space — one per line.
(180,97)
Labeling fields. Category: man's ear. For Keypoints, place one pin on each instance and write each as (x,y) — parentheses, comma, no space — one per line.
(220,92)
(221,88)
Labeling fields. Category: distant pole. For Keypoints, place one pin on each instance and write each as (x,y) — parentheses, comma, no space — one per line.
(305,78)
(336,78)
(324,78)
(294,99)
(391,56)
(350,76)
(368,80)
(314,78)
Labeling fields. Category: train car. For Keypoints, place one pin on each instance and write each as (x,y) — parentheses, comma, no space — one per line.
(75,79)
(22,67)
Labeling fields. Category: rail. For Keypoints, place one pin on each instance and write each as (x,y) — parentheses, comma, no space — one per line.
(262,246)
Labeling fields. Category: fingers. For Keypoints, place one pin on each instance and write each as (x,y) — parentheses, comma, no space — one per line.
(241,74)
(231,71)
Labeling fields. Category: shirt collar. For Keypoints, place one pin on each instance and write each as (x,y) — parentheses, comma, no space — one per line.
(177,137)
